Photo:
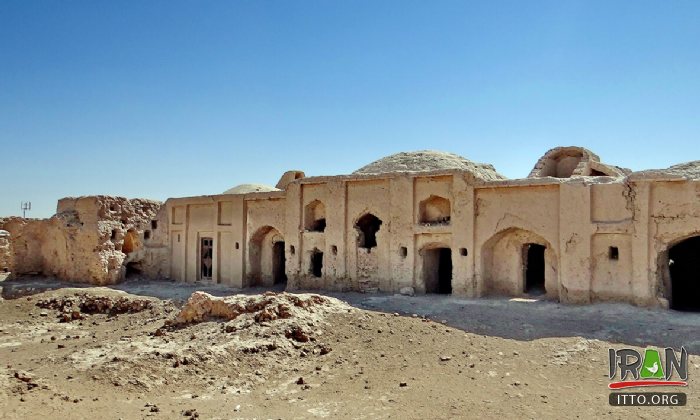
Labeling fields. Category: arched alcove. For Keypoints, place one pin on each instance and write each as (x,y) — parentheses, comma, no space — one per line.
(435,210)
(315,216)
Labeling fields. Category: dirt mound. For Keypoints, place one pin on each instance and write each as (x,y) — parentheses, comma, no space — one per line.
(261,308)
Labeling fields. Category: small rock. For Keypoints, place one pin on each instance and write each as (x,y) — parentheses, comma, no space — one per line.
(445,358)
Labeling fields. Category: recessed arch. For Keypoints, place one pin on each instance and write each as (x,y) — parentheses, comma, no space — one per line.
(315,216)
(266,265)
(435,210)
(513,256)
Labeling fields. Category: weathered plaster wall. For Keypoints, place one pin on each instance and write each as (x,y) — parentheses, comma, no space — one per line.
(221,218)
(674,215)
(5,252)
(84,241)
(515,214)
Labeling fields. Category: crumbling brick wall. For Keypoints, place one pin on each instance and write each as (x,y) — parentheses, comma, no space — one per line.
(93,239)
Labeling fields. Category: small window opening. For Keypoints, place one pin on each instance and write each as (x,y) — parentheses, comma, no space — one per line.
(114,234)
(146,234)
(463,252)
(238,245)
(317,263)
(368,226)
(614,253)
(403,252)
(154,224)
(178,237)
(334,250)
(291,249)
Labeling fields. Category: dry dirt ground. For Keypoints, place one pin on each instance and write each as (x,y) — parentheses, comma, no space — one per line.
(129,352)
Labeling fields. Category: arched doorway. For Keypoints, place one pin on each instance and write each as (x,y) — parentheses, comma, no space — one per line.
(684,272)
(519,262)
(266,258)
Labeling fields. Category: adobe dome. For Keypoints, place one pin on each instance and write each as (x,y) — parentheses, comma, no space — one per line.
(687,170)
(250,188)
(428,161)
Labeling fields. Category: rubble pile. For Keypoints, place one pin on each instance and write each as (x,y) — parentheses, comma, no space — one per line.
(73,307)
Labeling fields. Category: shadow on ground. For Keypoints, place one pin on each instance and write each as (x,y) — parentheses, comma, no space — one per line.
(502,317)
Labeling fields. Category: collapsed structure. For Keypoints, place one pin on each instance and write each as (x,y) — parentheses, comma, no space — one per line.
(95,239)
(575,229)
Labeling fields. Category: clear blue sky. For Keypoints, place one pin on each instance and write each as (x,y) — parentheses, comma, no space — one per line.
(162,99)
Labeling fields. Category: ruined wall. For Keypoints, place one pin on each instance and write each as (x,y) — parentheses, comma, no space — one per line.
(5,251)
(94,239)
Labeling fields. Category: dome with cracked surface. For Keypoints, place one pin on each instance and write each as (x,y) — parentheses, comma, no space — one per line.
(428,161)
(250,188)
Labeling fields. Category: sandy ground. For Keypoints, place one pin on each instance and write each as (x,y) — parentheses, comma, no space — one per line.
(365,356)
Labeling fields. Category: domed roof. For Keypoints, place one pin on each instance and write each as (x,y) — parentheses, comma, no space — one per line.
(428,161)
(250,188)
(687,170)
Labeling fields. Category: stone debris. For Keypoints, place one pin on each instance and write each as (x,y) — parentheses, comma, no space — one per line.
(263,308)
(72,308)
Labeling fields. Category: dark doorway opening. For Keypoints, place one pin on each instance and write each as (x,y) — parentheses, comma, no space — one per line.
(206,262)
(684,266)
(534,269)
(368,225)
(317,263)
(279,275)
(133,269)
(437,270)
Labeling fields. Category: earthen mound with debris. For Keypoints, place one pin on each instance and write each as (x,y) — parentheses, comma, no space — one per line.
(73,307)
(260,308)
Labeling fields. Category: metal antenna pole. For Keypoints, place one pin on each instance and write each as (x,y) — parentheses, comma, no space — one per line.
(26,206)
